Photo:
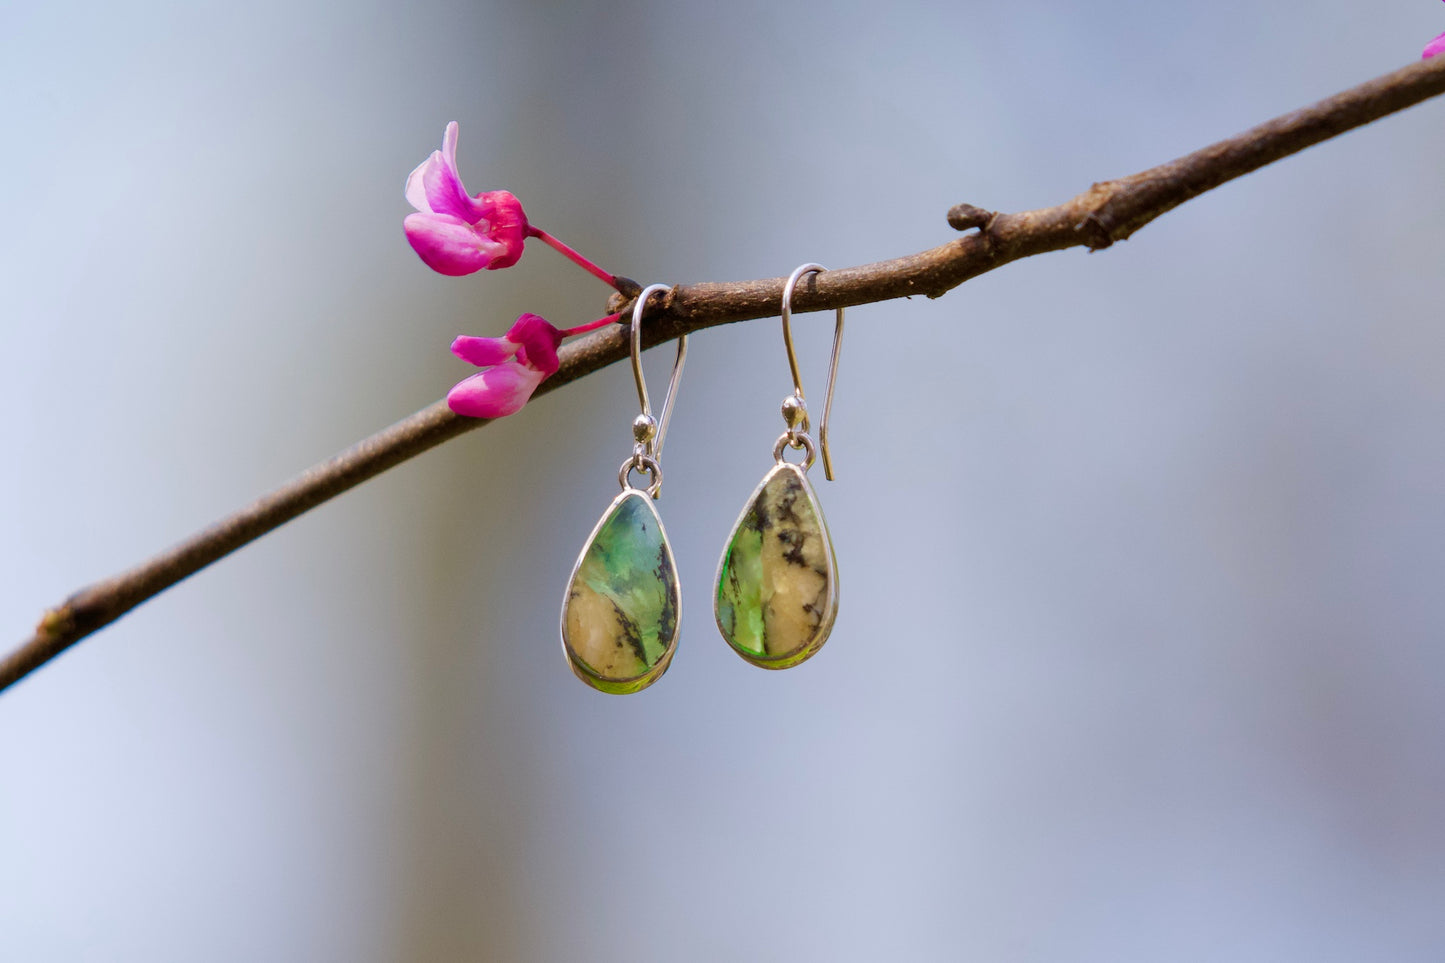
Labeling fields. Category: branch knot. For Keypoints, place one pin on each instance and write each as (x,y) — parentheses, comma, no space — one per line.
(963,217)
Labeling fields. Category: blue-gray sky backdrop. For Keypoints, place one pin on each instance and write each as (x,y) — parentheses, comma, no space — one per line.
(1139,655)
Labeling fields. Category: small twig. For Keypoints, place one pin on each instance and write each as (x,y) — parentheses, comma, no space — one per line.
(1107,212)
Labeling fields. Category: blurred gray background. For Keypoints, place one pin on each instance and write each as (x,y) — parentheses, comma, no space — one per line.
(1139,655)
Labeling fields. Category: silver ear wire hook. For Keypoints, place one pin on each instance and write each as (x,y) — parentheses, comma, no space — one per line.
(793,363)
(655,431)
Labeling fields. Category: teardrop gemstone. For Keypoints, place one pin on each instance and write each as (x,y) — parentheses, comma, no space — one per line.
(777,585)
(620,616)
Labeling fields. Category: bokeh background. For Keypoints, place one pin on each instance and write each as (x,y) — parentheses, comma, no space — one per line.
(1140,650)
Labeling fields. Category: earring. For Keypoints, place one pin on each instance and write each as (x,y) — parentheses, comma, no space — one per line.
(620,614)
(777,581)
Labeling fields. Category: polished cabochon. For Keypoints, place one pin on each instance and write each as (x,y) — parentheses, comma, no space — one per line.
(777,581)
(621,612)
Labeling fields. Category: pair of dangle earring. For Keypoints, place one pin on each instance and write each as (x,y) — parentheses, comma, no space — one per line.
(777,580)
(622,609)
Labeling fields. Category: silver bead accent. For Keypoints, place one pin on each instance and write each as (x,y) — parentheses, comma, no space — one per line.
(644,429)
(795,412)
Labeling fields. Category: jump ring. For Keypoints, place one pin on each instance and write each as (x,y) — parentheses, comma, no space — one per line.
(789,440)
(643,465)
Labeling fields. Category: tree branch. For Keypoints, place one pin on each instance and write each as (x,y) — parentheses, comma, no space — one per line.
(1107,212)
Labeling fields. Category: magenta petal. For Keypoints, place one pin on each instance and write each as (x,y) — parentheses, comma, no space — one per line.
(443,185)
(449,245)
(1436,46)
(416,189)
(449,143)
(484,351)
(538,340)
(435,187)
(494,393)
(445,193)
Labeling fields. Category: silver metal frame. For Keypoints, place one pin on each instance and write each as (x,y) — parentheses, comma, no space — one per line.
(579,667)
(830,613)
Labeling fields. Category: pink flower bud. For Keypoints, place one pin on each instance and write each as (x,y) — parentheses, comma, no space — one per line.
(455,233)
(514,365)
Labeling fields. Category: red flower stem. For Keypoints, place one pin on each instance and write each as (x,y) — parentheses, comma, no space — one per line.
(572,255)
(592,325)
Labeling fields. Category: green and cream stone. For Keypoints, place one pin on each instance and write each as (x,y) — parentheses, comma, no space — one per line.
(777,588)
(619,619)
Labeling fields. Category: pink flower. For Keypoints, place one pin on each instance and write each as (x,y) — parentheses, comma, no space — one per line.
(454,233)
(514,365)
